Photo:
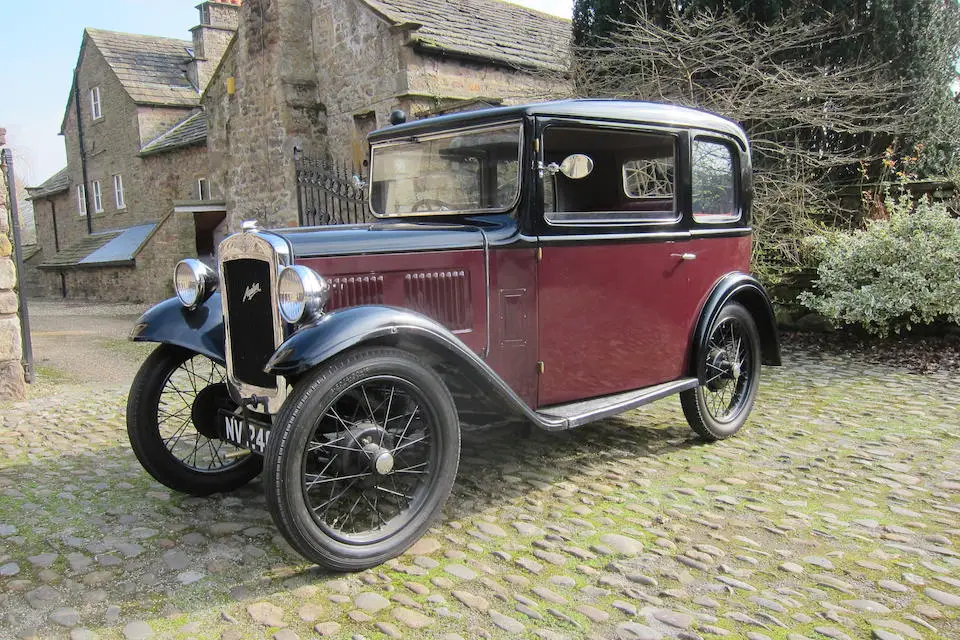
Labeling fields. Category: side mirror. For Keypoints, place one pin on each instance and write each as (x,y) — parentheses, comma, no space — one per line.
(577,166)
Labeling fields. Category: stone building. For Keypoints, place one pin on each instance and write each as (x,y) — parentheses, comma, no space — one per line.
(11,368)
(135,139)
(201,134)
(318,75)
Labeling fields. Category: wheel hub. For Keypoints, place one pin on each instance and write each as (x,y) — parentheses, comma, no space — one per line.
(720,370)
(371,449)
(381,460)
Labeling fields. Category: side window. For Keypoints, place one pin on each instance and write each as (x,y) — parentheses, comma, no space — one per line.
(714,182)
(632,180)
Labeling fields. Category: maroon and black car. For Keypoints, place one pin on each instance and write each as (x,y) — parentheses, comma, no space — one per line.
(550,264)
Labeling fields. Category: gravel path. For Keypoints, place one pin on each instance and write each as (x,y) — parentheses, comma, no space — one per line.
(85,343)
(835,514)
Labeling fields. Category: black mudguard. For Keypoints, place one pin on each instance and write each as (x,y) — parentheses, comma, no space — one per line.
(340,330)
(199,330)
(746,290)
(463,371)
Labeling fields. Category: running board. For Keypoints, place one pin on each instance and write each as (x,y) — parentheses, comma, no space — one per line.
(574,414)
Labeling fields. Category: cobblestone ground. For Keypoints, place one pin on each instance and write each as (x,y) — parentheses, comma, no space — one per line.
(835,514)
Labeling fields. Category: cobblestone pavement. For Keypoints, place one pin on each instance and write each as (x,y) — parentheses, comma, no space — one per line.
(835,514)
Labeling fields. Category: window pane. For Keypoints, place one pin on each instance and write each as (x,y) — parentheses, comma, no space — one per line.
(118,191)
(714,182)
(632,180)
(467,171)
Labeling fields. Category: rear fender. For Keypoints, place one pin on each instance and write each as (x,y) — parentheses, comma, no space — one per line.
(747,291)
(200,329)
(482,397)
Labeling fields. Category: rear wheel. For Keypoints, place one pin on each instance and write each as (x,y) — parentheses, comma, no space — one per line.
(729,364)
(173,426)
(361,458)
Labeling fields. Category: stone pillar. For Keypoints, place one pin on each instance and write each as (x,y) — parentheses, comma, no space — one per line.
(12,385)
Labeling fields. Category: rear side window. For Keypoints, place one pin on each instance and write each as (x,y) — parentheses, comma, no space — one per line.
(631,178)
(714,182)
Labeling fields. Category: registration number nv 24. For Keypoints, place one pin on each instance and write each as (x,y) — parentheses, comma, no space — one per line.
(245,433)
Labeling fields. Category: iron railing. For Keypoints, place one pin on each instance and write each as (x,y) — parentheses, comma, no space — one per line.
(330,192)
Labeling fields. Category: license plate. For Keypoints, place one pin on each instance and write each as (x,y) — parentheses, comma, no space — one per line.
(245,433)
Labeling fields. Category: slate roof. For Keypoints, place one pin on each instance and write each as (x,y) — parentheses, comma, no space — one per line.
(57,183)
(487,29)
(186,133)
(153,70)
(102,249)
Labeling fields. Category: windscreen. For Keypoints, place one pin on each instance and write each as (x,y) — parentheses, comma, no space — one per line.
(472,171)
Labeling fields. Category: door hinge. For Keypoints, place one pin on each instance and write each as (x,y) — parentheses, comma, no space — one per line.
(539,254)
(540,366)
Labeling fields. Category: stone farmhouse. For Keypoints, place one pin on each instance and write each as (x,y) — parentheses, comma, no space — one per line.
(172,143)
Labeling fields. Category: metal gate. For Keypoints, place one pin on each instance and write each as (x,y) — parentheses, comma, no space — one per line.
(330,192)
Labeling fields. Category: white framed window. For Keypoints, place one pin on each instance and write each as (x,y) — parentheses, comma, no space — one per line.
(118,191)
(95,109)
(81,199)
(203,189)
(97,197)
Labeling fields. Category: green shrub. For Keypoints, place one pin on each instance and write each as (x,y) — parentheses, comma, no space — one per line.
(896,273)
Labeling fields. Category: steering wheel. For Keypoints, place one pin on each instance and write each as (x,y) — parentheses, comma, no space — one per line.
(430,204)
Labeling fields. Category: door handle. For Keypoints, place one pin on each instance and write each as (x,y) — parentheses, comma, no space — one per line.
(684,256)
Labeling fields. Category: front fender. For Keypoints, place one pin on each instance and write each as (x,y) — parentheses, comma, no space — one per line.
(746,290)
(463,371)
(340,330)
(199,330)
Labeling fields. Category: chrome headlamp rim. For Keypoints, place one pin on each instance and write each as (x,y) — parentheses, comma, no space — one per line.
(314,292)
(203,282)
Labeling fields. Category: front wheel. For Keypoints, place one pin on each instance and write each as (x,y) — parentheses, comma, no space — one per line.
(172,423)
(361,458)
(729,365)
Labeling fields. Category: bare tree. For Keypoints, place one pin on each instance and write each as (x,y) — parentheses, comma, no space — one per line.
(810,124)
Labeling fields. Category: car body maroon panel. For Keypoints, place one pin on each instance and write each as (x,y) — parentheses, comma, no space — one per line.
(448,286)
(619,315)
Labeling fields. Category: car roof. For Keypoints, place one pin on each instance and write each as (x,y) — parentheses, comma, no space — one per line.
(619,111)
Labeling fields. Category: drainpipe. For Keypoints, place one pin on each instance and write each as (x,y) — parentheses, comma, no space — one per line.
(83,150)
(56,244)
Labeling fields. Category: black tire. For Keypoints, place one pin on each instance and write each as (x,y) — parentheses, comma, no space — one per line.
(150,434)
(709,410)
(310,434)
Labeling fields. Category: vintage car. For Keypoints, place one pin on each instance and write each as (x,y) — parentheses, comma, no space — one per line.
(549,264)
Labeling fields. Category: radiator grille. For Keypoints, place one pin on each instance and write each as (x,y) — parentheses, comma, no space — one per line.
(352,291)
(249,294)
(441,295)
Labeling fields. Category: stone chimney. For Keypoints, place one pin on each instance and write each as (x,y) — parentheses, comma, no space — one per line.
(219,20)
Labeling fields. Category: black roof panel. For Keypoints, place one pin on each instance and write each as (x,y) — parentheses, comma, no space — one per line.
(598,109)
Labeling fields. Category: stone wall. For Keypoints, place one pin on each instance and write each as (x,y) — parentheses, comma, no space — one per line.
(323,89)
(12,386)
(275,107)
(47,284)
(150,281)
(361,70)
(112,146)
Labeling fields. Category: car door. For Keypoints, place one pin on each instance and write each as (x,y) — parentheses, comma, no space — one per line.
(615,301)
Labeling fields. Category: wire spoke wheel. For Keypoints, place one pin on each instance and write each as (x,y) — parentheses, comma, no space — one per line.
(362,458)
(729,369)
(174,426)
(195,446)
(369,460)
